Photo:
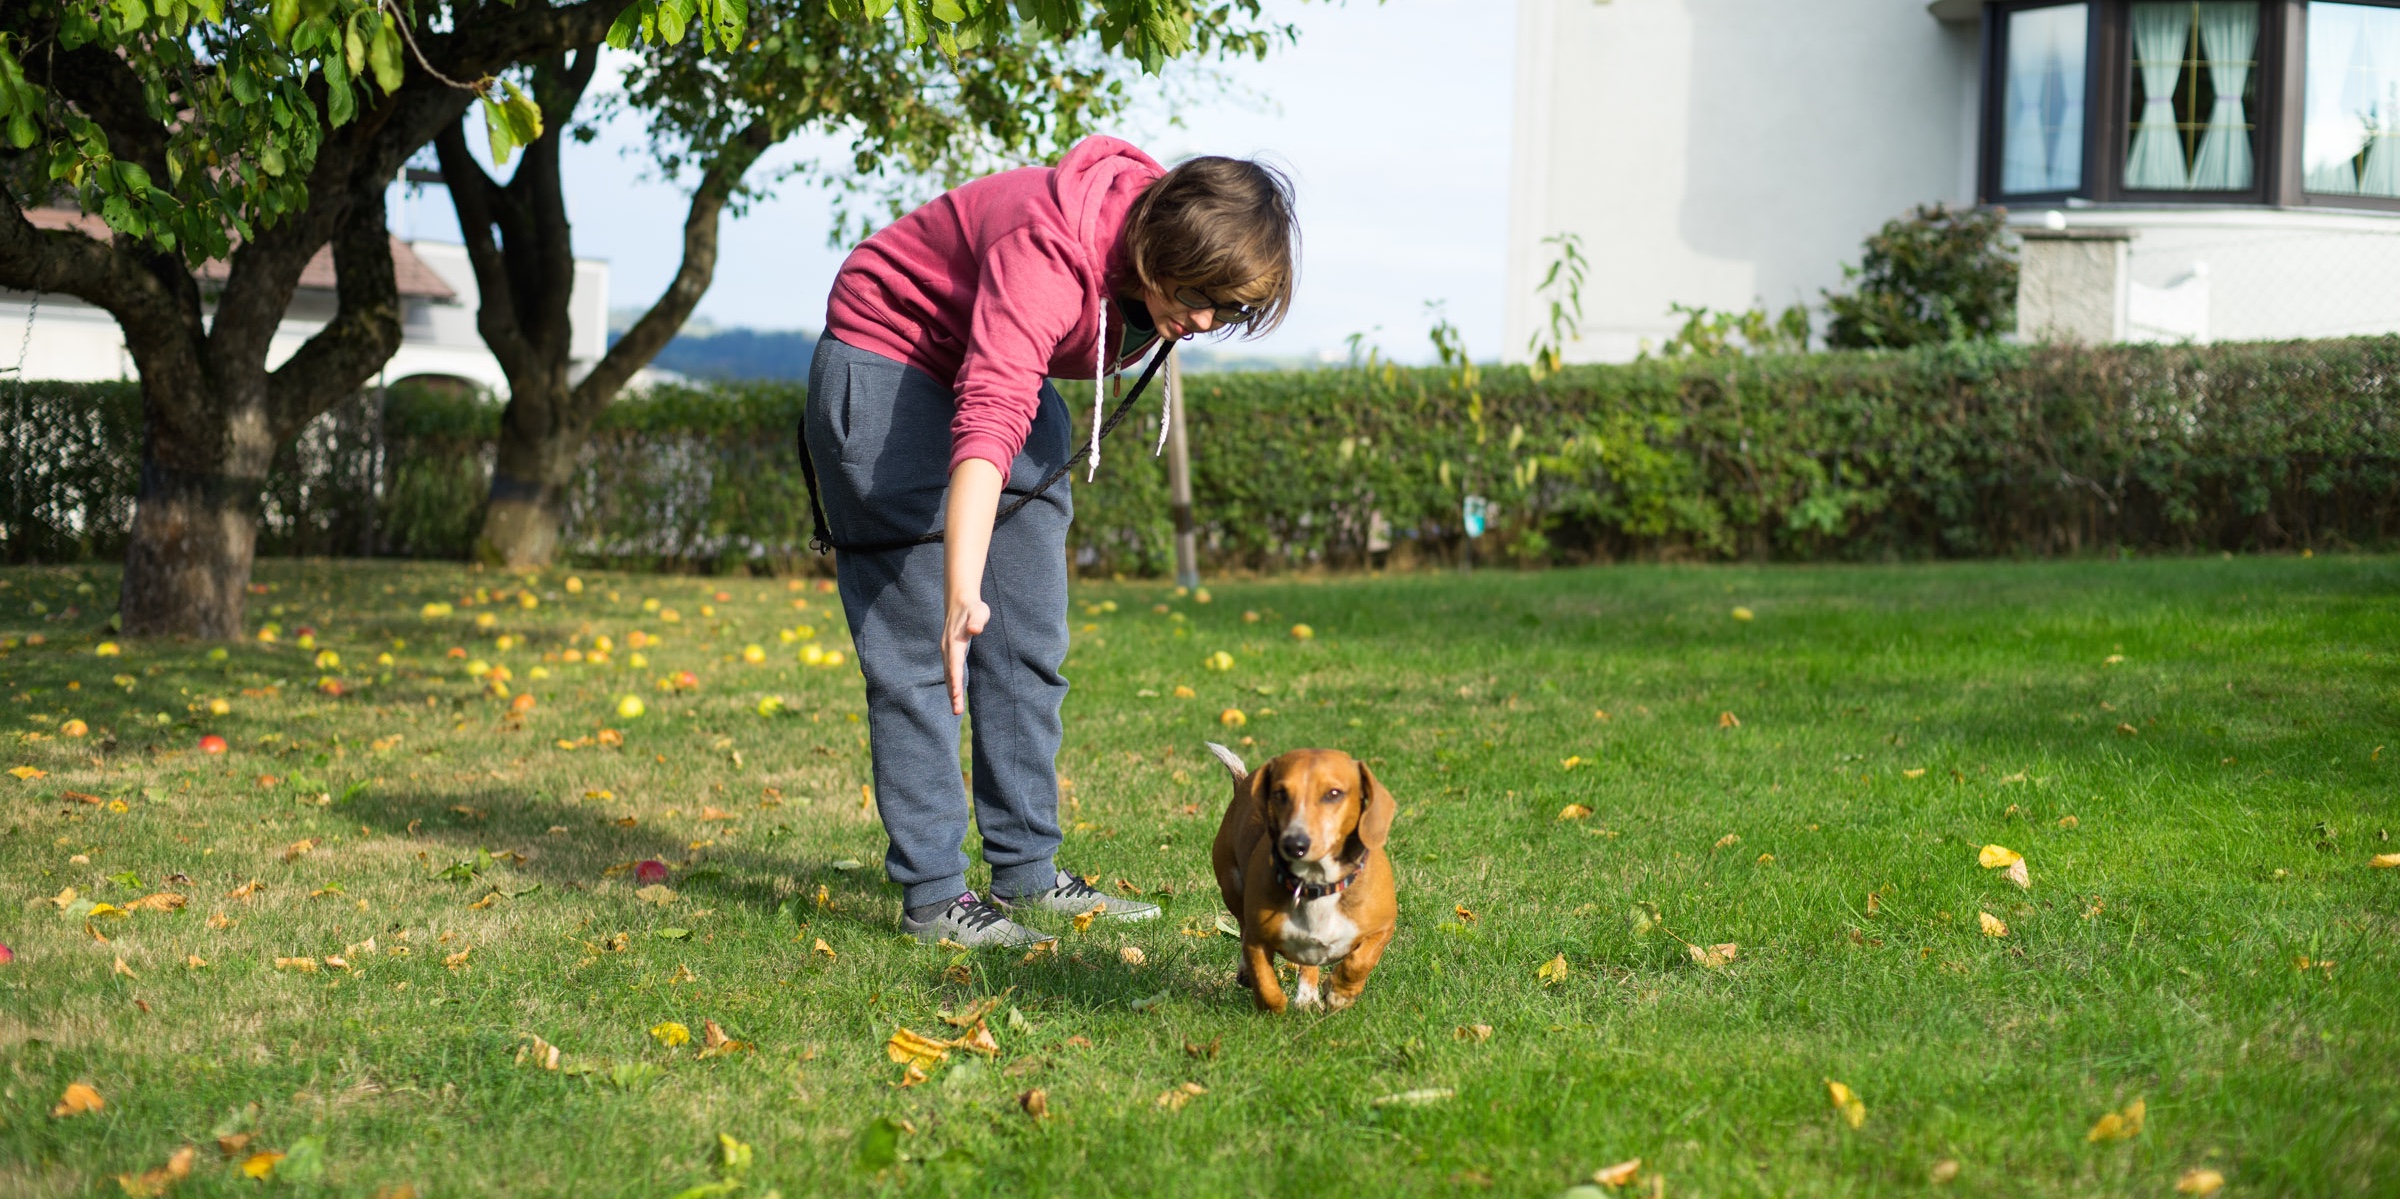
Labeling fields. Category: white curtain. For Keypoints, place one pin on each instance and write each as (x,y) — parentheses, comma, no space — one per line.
(2160,34)
(2228,36)
(2380,175)
(2041,146)
(2334,131)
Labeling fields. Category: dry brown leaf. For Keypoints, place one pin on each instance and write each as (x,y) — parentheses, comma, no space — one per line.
(122,969)
(1132,955)
(299,849)
(220,920)
(979,1039)
(1035,1103)
(484,902)
(458,960)
(303,965)
(683,974)
(541,1053)
(1874,903)
(1466,915)
(1727,841)
(194,961)
(78,1099)
(1621,1174)
(1943,1171)
(163,901)
(715,1043)
(2068,822)
(711,812)
(231,1144)
(973,1014)
(246,890)
(1472,1032)
(912,1074)
(157,1180)
(823,948)
(1715,957)
(1727,720)
(2016,874)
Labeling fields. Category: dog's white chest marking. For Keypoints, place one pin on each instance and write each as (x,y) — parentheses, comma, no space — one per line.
(1317,932)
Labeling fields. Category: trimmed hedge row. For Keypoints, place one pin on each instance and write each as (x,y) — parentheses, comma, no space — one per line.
(1966,450)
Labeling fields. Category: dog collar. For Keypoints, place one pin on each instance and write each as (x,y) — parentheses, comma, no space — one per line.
(1305,890)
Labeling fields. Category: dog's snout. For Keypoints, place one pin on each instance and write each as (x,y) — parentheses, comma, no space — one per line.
(1294,844)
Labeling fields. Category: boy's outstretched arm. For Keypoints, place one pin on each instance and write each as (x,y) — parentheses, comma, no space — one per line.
(966,543)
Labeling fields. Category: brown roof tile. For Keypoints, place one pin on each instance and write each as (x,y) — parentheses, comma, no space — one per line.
(414,277)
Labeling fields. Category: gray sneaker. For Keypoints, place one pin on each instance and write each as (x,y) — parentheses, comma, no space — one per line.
(973,924)
(1071,896)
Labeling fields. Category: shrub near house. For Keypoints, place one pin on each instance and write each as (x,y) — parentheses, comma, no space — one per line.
(1965,450)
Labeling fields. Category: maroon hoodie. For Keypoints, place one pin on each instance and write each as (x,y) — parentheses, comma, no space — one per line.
(997,285)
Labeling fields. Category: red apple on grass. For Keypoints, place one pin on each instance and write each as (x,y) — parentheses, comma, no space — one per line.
(212,744)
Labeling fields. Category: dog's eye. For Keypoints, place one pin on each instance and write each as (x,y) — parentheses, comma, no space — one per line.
(1333,795)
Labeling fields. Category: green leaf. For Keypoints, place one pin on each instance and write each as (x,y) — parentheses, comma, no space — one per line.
(948,10)
(354,48)
(214,10)
(672,934)
(496,127)
(524,116)
(126,879)
(878,1145)
(21,129)
(383,55)
(627,1076)
(628,24)
(341,103)
(281,16)
(130,14)
(304,1162)
(912,23)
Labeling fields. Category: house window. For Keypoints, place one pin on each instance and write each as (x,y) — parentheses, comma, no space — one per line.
(2042,117)
(2350,139)
(2194,90)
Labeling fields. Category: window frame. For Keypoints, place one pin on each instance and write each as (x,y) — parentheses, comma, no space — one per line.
(2296,113)
(2281,76)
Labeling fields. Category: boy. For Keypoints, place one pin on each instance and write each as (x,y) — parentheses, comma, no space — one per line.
(928,402)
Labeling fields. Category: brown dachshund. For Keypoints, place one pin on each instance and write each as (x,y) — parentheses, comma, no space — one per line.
(1299,858)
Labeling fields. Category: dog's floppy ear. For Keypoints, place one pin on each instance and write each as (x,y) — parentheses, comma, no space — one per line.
(1376,807)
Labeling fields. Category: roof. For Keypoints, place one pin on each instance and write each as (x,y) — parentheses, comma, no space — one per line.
(414,277)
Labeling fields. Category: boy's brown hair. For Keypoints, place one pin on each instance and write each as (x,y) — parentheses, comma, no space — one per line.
(1222,226)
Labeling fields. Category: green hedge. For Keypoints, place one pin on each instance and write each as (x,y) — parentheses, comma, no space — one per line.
(1969,450)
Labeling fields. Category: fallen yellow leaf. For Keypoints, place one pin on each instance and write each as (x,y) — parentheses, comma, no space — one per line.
(2384,861)
(1574,811)
(458,960)
(303,965)
(979,1039)
(163,901)
(2199,1181)
(1943,1172)
(2068,822)
(1853,1110)
(1993,926)
(823,948)
(2119,1125)
(670,1034)
(1554,971)
(715,1043)
(79,1099)
(1132,955)
(246,890)
(1083,920)
(28,773)
(1995,856)
(1916,772)
(261,1164)
(1727,841)
(1472,1032)
(2016,874)
(910,1049)
(1727,720)
(123,969)
(1621,1174)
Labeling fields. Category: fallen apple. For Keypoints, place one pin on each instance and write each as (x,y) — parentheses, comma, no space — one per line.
(649,870)
(630,707)
(212,744)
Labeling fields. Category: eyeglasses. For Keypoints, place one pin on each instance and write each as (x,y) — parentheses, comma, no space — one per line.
(1227,314)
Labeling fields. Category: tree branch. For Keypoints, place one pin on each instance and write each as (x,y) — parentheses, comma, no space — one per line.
(541,244)
(473,195)
(103,87)
(659,325)
(363,334)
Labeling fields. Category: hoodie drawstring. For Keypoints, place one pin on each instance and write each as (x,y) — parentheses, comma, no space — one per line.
(1099,374)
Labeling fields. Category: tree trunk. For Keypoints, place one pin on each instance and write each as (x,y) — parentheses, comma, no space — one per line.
(187,564)
(526,276)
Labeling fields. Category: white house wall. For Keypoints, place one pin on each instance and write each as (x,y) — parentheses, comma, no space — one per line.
(1724,152)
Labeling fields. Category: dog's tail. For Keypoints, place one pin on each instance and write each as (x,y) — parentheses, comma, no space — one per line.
(1232,761)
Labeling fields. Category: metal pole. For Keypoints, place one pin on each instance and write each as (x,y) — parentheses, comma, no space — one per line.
(1179,479)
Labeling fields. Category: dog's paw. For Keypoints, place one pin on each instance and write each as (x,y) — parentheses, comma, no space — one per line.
(1336,1001)
(1305,996)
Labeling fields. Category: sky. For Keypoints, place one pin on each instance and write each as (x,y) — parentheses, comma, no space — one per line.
(1392,119)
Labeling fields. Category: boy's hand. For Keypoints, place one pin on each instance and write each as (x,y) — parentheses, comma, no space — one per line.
(966,618)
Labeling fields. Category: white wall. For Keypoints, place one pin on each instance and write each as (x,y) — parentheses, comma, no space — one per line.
(1724,152)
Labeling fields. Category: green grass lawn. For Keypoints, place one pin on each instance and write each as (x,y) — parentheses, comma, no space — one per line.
(2195,758)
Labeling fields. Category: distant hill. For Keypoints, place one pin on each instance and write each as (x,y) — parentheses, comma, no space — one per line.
(704,351)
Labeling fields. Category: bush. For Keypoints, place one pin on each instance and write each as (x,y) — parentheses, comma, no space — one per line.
(1974,449)
(1936,275)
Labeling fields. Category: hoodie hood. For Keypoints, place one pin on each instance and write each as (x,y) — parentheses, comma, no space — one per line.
(1094,186)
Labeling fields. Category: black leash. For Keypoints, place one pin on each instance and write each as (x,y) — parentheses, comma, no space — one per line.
(822,540)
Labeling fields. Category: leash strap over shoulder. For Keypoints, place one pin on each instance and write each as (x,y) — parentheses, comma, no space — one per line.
(822,539)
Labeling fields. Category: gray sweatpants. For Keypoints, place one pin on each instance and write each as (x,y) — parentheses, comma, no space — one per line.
(879,436)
